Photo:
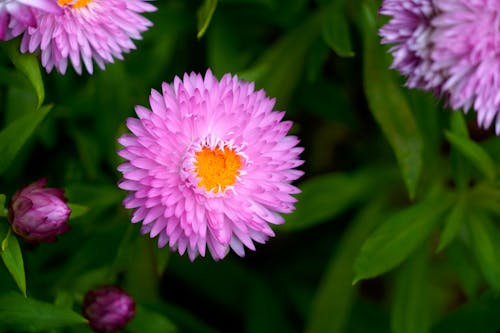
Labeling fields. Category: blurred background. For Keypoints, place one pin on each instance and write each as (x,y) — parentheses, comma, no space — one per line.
(375,153)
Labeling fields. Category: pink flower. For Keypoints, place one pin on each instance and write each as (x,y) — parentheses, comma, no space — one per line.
(108,309)
(466,43)
(451,47)
(88,30)
(17,15)
(410,30)
(39,214)
(210,165)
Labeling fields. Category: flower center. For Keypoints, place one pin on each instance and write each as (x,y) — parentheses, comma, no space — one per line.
(74,3)
(216,169)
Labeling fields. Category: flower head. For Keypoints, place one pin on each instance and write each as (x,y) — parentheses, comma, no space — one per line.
(108,309)
(39,214)
(210,165)
(87,31)
(466,42)
(17,15)
(410,29)
(451,47)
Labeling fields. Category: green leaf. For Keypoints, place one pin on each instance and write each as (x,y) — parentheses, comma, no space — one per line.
(205,13)
(335,294)
(389,106)
(279,69)
(411,304)
(399,236)
(28,64)
(459,168)
(486,247)
(453,223)
(336,30)
(462,262)
(12,257)
(14,136)
(324,197)
(146,320)
(458,124)
(474,153)
(77,210)
(3,210)
(29,315)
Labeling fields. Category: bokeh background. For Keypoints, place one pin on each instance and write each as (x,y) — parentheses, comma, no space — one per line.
(374,151)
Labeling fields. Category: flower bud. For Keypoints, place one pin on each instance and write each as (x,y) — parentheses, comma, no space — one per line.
(108,309)
(39,214)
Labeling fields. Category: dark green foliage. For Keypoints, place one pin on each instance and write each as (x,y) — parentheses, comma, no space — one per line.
(400,195)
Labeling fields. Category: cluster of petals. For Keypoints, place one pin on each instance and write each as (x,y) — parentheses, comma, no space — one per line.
(39,214)
(108,309)
(451,47)
(172,166)
(87,31)
(17,15)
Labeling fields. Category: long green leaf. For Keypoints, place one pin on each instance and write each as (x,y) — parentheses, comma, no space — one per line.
(453,223)
(486,247)
(334,298)
(279,69)
(389,106)
(411,305)
(22,314)
(336,30)
(12,257)
(324,197)
(460,170)
(205,13)
(463,264)
(16,134)
(399,236)
(3,210)
(28,64)
(474,153)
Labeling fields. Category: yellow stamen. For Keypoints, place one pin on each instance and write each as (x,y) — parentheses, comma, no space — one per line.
(216,169)
(74,3)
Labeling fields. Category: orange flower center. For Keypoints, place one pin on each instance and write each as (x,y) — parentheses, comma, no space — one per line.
(74,3)
(216,169)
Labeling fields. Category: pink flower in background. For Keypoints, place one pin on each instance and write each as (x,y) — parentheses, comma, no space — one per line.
(39,214)
(108,309)
(17,15)
(87,31)
(210,165)
(409,29)
(466,43)
(451,47)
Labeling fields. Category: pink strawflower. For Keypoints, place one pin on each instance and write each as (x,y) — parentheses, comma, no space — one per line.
(39,214)
(108,309)
(88,30)
(451,47)
(17,15)
(210,166)
(466,42)
(410,30)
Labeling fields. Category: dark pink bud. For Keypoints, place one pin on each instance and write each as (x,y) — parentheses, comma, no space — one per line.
(108,309)
(39,214)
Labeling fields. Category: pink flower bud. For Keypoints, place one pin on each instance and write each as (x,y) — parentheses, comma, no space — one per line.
(39,214)
(108,309)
